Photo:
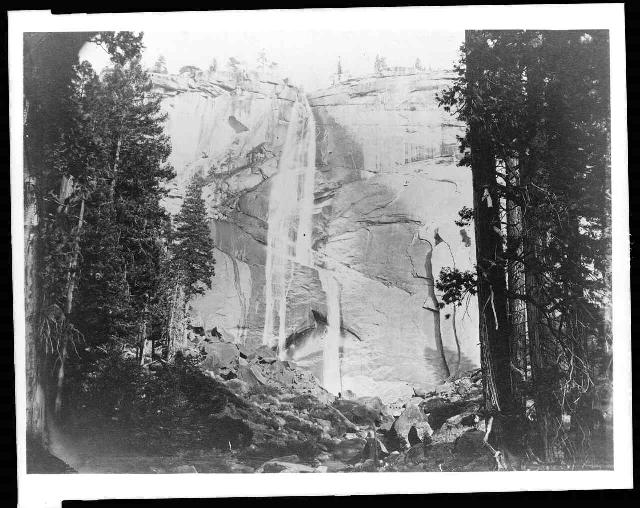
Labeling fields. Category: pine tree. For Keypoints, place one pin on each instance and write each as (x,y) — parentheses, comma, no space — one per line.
(102,226)
(192,246)
(125,221)
(262,59)
(536,104)
(160,66)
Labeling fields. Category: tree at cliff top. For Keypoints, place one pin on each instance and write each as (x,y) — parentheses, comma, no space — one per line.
(380,64)
(160,66)
(190,70)
(536,104)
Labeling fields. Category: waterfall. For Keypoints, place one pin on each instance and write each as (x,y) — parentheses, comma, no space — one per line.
(289,240)
(290,219)
(331,378)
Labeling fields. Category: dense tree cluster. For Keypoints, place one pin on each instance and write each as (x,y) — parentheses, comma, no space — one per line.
(106,241)
(536,105)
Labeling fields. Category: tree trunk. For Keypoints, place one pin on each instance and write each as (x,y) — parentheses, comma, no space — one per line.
(493,322)
(177,330)
(516,285)
(432,304)
(146,349)
(538,376)
(35,352)
(48,62)
(71,277)
(455,336)
(114,172)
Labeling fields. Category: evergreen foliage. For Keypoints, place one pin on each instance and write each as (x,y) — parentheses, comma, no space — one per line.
(536,104)
(104,230)
(192,246)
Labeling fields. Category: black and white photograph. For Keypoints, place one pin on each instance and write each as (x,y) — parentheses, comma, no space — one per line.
(352,243)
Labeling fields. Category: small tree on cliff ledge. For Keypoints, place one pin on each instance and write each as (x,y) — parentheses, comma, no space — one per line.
(192,247)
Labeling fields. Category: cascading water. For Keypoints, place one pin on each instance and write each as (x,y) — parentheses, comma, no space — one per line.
(331,378)
(290,219)
(289,241)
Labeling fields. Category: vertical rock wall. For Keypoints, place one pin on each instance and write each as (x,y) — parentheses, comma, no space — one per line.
(385,168)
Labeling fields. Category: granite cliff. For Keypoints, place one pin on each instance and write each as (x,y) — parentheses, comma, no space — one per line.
(316,202)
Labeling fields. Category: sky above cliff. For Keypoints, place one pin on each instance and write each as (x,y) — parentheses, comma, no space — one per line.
(307,57)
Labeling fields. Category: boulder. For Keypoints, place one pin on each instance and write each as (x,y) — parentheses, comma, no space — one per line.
(373,403)
(449,432)
(420,392)
(238,387)
(440,410)
(283,373)
(339,423)
(414,401)
(412,416)
(241,468)
(470,444)
(287,458)
(367,451)
(356,412)
(276,466)
(349,449)
(414,437)
(433,403)
(251,375)
(184,469)
(416,454)
(349,395)
(469,418)
(244,351)
(263,354)
(463,386)
(221,357)
(335,466)
(368,465)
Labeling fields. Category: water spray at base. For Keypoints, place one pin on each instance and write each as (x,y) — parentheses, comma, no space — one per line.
(331,377)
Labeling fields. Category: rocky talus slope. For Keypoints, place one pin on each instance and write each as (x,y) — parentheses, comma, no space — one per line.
(249,412)
(440,430)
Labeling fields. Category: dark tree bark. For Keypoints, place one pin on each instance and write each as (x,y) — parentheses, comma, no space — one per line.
(494,323)
(516,284)
(48,66)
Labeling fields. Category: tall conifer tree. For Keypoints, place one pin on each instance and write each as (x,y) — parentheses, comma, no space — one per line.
(192,246)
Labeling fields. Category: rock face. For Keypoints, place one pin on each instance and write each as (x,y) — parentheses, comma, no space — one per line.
(385,167)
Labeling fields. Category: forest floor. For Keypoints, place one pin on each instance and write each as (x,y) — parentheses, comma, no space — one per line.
(256,414)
